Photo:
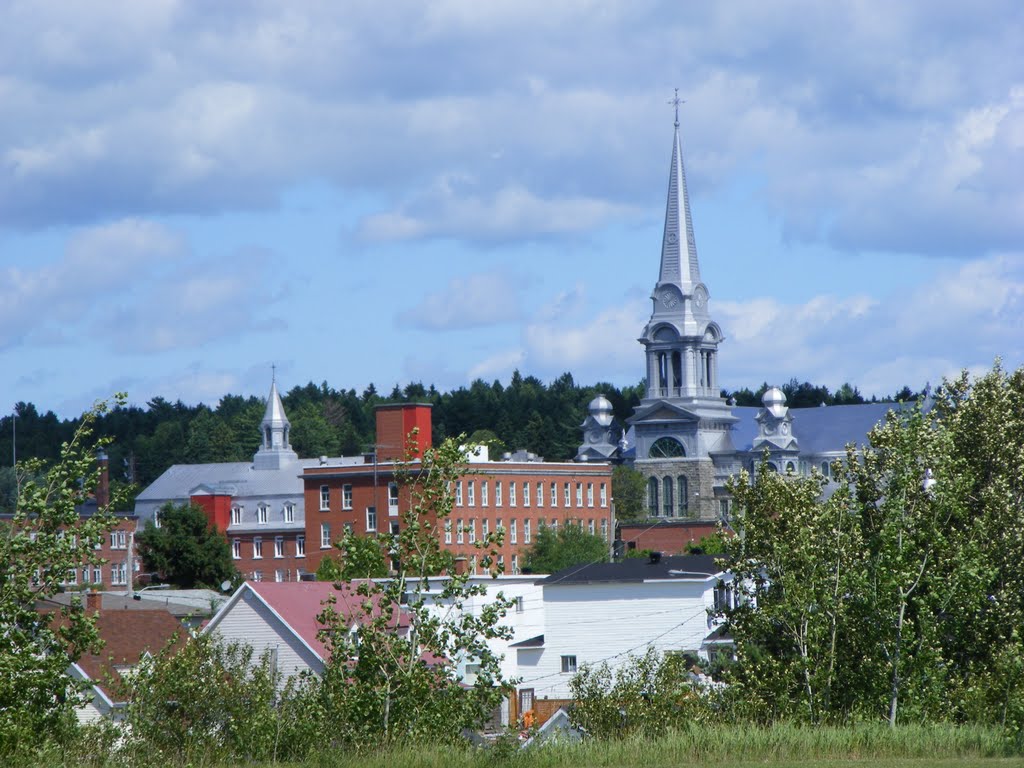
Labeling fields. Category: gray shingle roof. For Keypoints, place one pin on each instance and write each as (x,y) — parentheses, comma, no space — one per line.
(817,430)
(637,570)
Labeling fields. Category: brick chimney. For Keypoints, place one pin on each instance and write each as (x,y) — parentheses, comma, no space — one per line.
(93,601)
(461,565)
(395,423)
(103,484)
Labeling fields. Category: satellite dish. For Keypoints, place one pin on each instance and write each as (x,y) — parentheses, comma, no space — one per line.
(225,586)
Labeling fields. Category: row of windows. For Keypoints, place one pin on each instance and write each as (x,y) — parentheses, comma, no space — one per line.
(464,531)
(281,574)
(791,467)
(94,574)
(661,498)
(346,498)
(279,547)
(263,514)
(536,492)
(474,567)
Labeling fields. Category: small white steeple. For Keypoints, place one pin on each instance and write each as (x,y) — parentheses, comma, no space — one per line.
(275,448)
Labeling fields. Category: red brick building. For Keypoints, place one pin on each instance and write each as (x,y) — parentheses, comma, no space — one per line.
(518,494)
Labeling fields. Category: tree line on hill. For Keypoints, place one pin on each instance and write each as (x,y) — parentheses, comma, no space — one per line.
(526,414)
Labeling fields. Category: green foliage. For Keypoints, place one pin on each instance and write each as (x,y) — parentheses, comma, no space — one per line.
(629,491)
(187,550)
(44,539)
(381,686)
(567,545)
(201,700)
(312,434)
(712,544)
(362,557)
(645,696)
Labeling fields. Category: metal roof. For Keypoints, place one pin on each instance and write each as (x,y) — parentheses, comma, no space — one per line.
(817,430)
(671,568)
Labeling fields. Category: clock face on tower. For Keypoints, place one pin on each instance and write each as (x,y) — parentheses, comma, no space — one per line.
(669,298)
(700,296)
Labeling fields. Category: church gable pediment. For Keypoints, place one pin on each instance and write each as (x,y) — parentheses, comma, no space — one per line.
(662,412)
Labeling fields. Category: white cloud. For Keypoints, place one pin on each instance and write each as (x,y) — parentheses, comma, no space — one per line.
(472,301)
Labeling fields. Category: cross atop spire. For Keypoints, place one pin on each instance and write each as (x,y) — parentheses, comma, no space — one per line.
(675,102)
(273,373)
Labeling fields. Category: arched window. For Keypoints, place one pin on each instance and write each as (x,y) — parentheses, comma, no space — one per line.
(790,467)
(772,467)
(666,501)
(684,496)
(652,497)
(826,469)
(666,448)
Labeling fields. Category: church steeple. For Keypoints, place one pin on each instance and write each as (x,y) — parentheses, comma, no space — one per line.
(275,447)
(680,338)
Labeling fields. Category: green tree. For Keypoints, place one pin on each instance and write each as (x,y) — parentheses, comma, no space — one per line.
(557,548)
(43,541)
(795,563)
(312,434)
(382,686)
(629,491)
(186,549)
(210,439)
(362,557)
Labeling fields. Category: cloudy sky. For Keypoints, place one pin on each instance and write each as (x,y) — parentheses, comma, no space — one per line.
(407,191)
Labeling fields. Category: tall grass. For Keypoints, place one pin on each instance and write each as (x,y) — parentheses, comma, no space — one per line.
(716,744)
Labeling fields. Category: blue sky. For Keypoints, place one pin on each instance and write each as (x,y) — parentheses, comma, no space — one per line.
(405,191)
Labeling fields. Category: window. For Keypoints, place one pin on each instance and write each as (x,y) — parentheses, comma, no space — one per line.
(666,448)
(501,563)
(590,528)
(458,494)
(325,498)
(279,575)
(371,519)
(684,495)
(497,493)
(325,536)
(392,498)
(300,546)
(279,546)
(262,514)
(118,574)
(156,519)
(499,528)
(723,596)
(526,494)
(257,548)
(554,525)
(526,531)
(554,494)
(566,495)
(513,533)
(257,575)
(540,494)
(666,499)
(590,494)
(485,528)
(652,496)
(236,549)
(723,508)
(568,665)
(471,492)
(118,540)
(289,513)
(826,469)
(72,577)
(460,533)
(512,494)
(472,530)
(236,516)
(473,564)
(346,496)
(447,531)
(604,494)
(604,529)
(97,575)
(515,569)
(483,493)
(579,494)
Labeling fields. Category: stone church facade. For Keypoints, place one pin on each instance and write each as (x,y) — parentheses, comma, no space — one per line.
(683,436)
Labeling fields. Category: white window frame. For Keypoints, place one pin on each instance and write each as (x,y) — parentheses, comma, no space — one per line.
(371,519)
(515,571)
(569,665)
(392,498)
(325,535)
(604,494)
(471,493)
(262,514)
(554,494)
(579,494)
(497,493)
(590,494)
(288,512)
(526,531)
(300,546)
(460,532)
(236,515)
(590,527)
(604,528)
(236,549)
(513,531)
(325,498)
(279,575)
(472,530)
(540,494)
(484,486)
(257,548)
(458,493)
(526,493)
(485,528)
(447,531)
(346,496)
(512,493)
(279,546)
(567,488)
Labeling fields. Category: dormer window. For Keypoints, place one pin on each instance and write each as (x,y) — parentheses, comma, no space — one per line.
(236,515)
(262,514)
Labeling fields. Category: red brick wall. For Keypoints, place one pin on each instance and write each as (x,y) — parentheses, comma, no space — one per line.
(667,537)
